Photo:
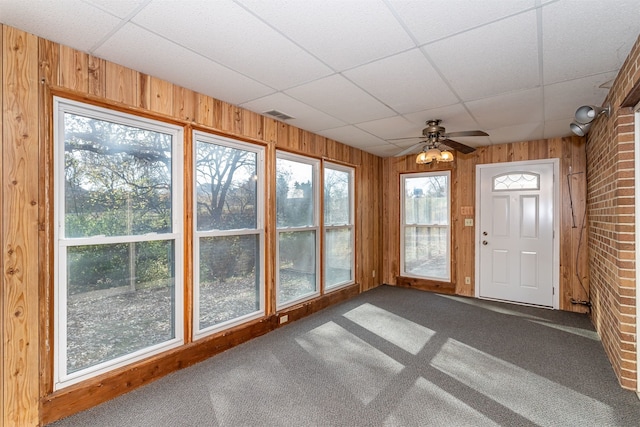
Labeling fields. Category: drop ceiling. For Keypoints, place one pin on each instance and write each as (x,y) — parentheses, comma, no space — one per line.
(363,72)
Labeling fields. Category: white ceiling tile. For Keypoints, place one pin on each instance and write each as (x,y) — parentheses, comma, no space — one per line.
(194,72)
(119,8)
(493,59)
(432,20)
(388,128)
(558,128)
(509,109)
(304,117)
(228,34)
(340,98)
(562,99)
(356,137)
(405,82)
(587,37)
(43,17)
(518,133)
(342,33)
(454,118)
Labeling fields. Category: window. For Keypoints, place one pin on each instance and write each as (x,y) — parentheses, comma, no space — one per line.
(516,181)
(338,226)
(296,229)
(425,234)
(118,239)
(229,232)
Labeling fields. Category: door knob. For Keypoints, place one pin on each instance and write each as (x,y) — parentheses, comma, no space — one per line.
(484,242)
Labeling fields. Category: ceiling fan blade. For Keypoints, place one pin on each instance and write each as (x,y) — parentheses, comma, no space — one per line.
(409,150)
(465,133)
(458,146)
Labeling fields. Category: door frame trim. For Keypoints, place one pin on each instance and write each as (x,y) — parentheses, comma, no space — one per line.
(556,223)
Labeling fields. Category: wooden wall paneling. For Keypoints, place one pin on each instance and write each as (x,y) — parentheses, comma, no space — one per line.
(74,69)
(161,96)
(231,119)
(184,104)
(143,91)
(97,82)
(252,125)
(204,113)
(49,62)
(188,215)
(2,185)
(270,131)
(270,261)
(464,190)
(48,53)
(566,261)
(579,254)
(121,84)
(20,227)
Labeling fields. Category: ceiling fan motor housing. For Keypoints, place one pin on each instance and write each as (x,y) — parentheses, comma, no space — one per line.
(433,128)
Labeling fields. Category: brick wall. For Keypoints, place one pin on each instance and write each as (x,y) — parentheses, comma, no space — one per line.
(611,212)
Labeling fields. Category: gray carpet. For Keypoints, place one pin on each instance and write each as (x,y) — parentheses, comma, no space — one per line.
(394,357)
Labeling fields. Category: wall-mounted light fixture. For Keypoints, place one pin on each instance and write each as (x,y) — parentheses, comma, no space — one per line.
(585,115)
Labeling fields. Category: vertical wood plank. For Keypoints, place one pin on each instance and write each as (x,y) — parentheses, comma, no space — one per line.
(252,124)
(48,53)
(231,119)
(184,104)
(97,82)
(204,113)
(20,225)
(187,200)
(74,69)
(144,91)
(161,96)
(2,185)
(120,84)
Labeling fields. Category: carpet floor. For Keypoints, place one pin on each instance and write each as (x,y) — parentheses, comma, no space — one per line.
(394,357)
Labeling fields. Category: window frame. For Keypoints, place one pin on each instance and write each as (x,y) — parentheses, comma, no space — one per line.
(62,106)
(404,225)
(350,225)
(197,234)
(315,227)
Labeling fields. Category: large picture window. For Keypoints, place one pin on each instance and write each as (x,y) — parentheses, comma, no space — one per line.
(118,239)
(338,226)
(297,229)
(229,232)
(425,222)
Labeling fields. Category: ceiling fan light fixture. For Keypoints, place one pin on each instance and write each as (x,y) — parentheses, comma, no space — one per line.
(422,158)
(446,156)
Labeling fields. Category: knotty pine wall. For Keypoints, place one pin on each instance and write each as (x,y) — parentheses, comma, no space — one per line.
(35,69)
(573,257)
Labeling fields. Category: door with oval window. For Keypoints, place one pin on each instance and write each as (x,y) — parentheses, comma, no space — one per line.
(517,257)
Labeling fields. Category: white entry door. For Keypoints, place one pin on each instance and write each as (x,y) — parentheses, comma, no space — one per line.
(516,232)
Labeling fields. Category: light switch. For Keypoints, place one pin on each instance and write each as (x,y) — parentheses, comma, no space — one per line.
(468,222)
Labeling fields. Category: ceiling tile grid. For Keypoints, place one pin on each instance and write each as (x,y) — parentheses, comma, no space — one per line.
(364,72)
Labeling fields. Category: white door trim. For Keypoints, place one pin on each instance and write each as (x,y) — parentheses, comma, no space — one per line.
(556,221)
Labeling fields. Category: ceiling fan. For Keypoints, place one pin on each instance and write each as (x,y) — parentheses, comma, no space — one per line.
(434,135)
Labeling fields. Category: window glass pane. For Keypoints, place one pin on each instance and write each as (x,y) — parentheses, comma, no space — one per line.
(517,181)
(339,256)
(120,299)
(337,204)
(296,264)
(294,198)
(426,252)
(226,181)
(229,278)
(117,178)
(426,200)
